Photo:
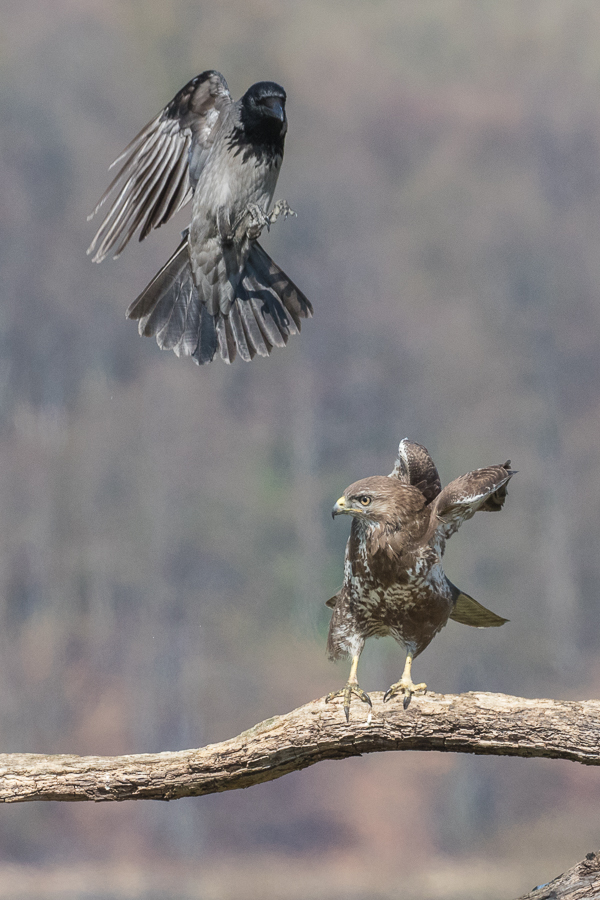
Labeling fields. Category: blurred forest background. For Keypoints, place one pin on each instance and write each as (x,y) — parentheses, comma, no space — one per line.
(166,544)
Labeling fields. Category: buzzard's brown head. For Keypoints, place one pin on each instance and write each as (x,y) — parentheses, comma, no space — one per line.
(380,499)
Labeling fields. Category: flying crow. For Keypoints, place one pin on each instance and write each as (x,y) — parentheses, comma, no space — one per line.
(219,290)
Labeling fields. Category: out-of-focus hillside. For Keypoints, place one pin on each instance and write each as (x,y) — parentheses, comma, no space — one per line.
(165,540)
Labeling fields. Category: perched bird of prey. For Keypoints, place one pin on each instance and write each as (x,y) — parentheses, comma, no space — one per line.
(219,290)
(394,583)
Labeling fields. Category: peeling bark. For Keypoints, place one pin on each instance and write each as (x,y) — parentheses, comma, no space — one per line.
(493,724)
(582,882)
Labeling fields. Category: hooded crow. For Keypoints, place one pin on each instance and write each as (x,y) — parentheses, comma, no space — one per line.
(219,290)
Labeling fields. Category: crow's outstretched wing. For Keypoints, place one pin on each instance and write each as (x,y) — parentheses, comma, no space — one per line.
(161,165)
(482,489)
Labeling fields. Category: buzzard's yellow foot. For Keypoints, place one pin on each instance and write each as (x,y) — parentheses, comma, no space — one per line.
(352,687)
(406,687)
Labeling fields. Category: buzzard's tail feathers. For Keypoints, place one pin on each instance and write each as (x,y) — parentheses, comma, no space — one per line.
(468,611)
(266,310)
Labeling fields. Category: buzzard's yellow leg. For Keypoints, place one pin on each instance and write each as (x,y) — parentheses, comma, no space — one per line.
(352,687)
(405,685)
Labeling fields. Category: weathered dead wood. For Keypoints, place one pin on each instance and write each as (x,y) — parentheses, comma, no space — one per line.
(579,883)
(466,723)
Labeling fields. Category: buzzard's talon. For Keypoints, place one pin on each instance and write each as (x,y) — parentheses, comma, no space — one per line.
(352,687)
(404,687)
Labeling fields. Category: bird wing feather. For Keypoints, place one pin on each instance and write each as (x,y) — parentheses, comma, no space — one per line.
(415,466)
(482,489)
(155,179)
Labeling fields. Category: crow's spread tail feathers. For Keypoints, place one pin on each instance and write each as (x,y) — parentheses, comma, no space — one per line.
(267,308)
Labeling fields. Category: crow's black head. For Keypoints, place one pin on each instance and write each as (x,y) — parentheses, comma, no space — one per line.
(263,111)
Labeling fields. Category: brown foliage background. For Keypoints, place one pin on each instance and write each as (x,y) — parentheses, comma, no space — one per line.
(166,546)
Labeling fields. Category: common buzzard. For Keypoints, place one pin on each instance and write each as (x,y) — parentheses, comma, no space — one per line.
(394,583)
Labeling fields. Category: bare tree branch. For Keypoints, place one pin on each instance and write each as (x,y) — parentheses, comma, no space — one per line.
(579,883)
(467,723)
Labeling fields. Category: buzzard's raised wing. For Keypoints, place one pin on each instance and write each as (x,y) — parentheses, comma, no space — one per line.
(415,466)
(482,489)
(155,180)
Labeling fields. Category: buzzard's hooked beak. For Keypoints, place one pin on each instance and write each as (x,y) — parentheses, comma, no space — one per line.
(339,508)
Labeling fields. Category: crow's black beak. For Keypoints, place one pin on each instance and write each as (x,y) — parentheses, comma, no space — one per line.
(275,107)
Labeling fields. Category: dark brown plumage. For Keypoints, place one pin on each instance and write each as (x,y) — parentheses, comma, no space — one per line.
(394,583)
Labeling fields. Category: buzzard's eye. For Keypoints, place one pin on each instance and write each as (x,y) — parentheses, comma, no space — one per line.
(364,500)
